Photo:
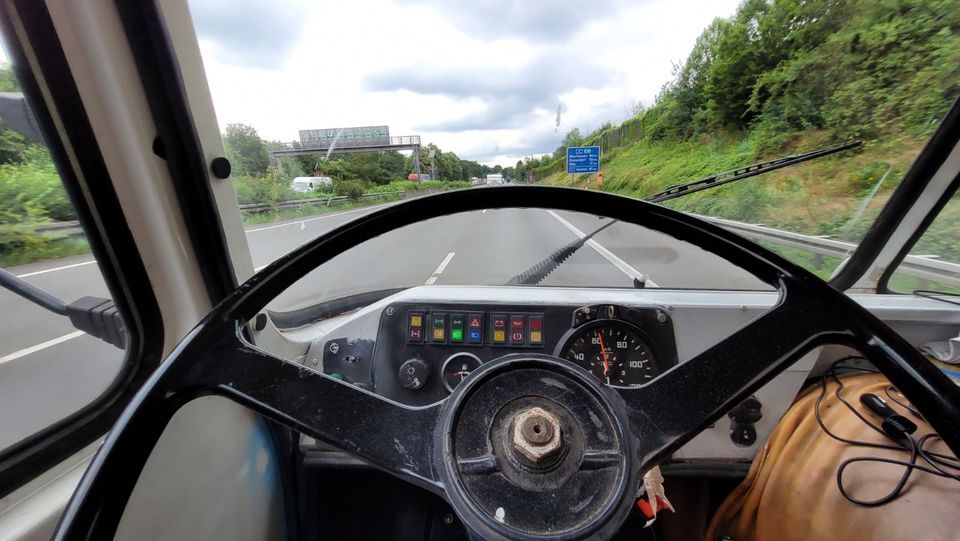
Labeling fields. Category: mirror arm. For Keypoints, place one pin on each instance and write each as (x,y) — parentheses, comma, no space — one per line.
(93,315)
(32,293)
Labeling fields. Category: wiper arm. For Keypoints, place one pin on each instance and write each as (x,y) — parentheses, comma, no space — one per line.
(753,170)
(536,274)
(540,270)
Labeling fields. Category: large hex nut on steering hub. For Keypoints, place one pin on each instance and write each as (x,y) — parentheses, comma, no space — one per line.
(537,435)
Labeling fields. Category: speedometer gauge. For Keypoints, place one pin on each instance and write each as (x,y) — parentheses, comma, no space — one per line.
(614,351)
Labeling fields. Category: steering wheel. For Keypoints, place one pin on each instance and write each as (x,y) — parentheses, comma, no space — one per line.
(530,446)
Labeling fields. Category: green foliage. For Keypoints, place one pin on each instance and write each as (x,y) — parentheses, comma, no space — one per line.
(411,186)
(247,153)
(31,191)
(860,68)
(291,168)
(352,188)
(8,79)
(271,188)
(12,145)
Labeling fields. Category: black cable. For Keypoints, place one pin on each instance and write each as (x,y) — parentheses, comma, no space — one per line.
(890,391)
(936,462)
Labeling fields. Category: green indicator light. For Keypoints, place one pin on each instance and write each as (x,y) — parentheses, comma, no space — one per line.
(456,335)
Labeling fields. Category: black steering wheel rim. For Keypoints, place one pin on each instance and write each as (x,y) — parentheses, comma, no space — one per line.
(214,358)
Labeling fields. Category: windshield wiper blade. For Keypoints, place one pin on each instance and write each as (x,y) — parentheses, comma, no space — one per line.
(540,270)
(536,274)
(752,170)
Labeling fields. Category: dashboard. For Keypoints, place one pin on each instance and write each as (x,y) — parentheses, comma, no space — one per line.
(368,347)
(423,351)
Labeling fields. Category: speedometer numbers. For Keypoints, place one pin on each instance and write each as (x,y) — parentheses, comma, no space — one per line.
(614,351)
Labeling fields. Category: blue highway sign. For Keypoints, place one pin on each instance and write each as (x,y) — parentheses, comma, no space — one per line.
(583,160)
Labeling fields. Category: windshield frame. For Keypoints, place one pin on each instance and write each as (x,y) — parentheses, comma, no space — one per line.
(53,96)
(875,251)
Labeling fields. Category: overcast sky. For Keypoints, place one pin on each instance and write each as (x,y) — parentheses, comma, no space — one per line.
(481,78)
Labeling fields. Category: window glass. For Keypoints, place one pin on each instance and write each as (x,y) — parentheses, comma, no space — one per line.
(934,261)
(48,368)
(665,92)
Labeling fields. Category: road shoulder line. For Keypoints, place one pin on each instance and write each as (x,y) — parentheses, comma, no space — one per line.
(41,346)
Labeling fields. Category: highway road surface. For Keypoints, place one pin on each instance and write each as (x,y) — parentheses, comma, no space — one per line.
(48,369)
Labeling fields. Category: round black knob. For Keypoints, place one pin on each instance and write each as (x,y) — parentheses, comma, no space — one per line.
(413,374)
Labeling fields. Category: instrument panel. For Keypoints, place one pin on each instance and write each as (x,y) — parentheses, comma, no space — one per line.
(423,351)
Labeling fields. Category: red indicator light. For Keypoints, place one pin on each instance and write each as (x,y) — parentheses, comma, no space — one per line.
(536,323)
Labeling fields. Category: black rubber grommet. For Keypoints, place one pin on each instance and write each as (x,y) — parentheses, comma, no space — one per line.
(220,167)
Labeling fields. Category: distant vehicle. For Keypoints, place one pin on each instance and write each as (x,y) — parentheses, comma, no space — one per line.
(494,179)
(413,177)
(309,184)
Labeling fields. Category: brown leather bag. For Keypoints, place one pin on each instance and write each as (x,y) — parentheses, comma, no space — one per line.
(791,491)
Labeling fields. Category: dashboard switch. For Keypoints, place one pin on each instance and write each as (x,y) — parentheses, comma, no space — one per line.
(517,329)
(535,324)
(456,328)
(414,374)
(415,327)
(499,324)
(439,335)
(475,329)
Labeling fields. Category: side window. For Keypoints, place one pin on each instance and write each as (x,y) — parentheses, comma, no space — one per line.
(933,263)
(54,298)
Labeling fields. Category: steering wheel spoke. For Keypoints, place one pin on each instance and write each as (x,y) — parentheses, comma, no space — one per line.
(677,405)
(391,436)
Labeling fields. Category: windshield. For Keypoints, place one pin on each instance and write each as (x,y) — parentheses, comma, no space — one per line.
(516,247)
(628,98)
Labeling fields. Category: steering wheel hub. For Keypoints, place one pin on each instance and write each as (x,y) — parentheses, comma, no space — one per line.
(535,447)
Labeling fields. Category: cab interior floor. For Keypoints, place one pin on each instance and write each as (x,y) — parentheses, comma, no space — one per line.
(363,504)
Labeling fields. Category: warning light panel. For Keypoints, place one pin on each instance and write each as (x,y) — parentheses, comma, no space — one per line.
(478,329)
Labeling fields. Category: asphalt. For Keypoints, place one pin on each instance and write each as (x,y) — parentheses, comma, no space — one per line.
(42,380)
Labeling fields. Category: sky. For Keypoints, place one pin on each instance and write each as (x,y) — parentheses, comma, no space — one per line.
(481,78)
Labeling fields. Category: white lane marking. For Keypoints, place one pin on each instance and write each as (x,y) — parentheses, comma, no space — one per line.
(607,254)
(41,346)
(325,216)
(436,274)
(55,269)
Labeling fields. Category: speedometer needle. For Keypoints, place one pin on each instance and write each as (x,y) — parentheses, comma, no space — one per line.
(606,363)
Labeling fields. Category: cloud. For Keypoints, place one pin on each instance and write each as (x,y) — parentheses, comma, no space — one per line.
(508,95)
(481,79)
(249,33)
(529,20)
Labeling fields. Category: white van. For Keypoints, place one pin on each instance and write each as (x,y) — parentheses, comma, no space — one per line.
(308,184)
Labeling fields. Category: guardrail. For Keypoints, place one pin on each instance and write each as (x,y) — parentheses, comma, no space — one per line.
(71,228)
(323,201)
(922,267)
